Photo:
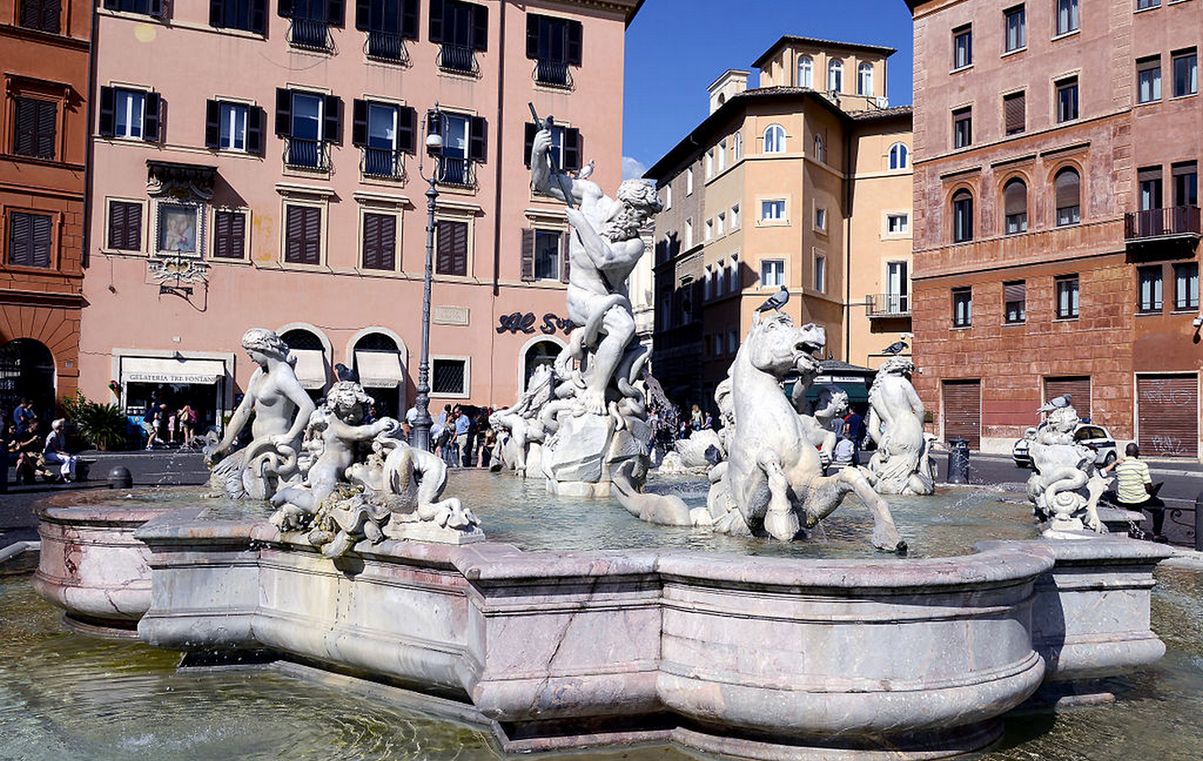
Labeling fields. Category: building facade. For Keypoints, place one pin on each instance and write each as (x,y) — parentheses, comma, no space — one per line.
(43,146)
(802,183)
(261,164)
(1057,217)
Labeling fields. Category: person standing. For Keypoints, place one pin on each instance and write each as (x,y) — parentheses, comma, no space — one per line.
(695,418)
(188,420)
(854,426)
(1135,490)
(463,429)
(23,415)
(56,453)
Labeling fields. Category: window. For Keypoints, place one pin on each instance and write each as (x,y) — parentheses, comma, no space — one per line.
(1148,79)
(962,128)
(897,287)
(737,146)
(448,377)
(29,239)
(1015,298)
(735,217)
(772,210)
(1068,197)
(1143,4)
(835,75)
(708,230)
(42,15)
(708,283)
(1067,297)
(465,142)
(145,7)
(233,127)
(864,79)
(820,149)
(820,219)
(1015,113)
(554,44)
(310,22)
(1186,183)
(689,181)
(962,47)
(1015,204)
(229,234)
(898,224)
(1067,100)
(1067,16)
(732,342)
(541,254)
(1186,72)
(302,234)
(720,278)
(34,123)
(384,132)
(1149,288)
(720,224)
(774,139)
(806,72)
(772,273)
(125,226)
(379,250)
(733,279)
(247,15)
(820,273)
(962,217)
(388,24)
(689,233)
(132,114)
(962,307)
(899,156)
(1016,29)
(709,163)
(722,155)
(668,196)
(1186,286)
(451,248)
(461,29)
(1149,183)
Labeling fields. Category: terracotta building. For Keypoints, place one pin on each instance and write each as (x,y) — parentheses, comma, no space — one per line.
(43,145)
(1057,216)
(803,182)
(260,164)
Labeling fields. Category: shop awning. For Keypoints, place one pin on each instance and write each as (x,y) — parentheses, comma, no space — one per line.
(311,368)
(378,369)
(171,370)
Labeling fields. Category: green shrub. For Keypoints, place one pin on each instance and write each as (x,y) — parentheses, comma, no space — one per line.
(101,425)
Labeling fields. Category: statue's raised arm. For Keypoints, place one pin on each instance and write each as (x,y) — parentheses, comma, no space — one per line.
(554,182)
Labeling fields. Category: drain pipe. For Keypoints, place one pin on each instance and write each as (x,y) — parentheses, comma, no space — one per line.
(89,145)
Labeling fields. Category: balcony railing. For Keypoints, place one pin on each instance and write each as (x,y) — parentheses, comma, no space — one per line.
(460,58)
(553,74)
(386,46)
(383,163)
(458,172)
(309,34)
(306,154)
(888,305)
(1172,222)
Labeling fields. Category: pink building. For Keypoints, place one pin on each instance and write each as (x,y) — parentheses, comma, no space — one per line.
(257,164)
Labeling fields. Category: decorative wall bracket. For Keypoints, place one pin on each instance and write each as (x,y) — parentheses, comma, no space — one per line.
(176,272)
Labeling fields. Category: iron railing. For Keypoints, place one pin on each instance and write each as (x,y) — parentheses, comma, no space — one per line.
(386,46)
(459,58)
(309,34)
(384,163)
(306,154)
(888,305)
(1157,223)
(458,172)
(553,74)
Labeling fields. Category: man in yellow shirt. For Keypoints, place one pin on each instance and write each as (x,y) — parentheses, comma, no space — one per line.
(1134,488)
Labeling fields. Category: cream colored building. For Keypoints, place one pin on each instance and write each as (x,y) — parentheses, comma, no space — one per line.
(803,182)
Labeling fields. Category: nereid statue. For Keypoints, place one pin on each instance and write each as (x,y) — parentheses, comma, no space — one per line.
(901,463)
(1065,487)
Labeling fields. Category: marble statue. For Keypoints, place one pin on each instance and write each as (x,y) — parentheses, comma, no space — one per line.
(1065,487)
(343,498)
(772,482)
(900,465)
(520,431)
(703,449)
(281,410)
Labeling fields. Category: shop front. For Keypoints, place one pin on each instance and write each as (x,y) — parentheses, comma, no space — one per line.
(171,381)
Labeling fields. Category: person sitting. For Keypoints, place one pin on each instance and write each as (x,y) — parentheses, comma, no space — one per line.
(55,451)
(1135,489)
(842,457)
(28,450)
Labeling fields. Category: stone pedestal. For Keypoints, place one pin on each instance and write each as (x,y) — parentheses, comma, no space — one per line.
(588,448)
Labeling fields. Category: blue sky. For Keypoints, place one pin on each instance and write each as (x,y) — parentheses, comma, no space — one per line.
(677,47)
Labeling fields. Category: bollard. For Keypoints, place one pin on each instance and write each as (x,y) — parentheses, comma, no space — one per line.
(120,478)
(958,461)
(1199,522)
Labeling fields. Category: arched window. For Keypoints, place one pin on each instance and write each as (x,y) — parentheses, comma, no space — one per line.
(962,216)
(1068,185)
(864,79)
(27,372)
(820,149)
(1015,206)
(722,98)
(377,362)
(835,75)
(806,72)
(899,156)
(774,139)
(540,354)
(312,366)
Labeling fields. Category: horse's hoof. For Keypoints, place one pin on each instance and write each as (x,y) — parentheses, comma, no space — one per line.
(782,526)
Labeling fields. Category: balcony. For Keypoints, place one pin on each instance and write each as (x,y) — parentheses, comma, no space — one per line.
(383,163)
(553,74)
(308,34)
(312,155)
(457,172)
(1176,223)
(386,46)
(887,306)
(458,58)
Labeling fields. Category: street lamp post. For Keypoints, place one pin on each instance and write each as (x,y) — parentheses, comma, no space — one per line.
(420,435)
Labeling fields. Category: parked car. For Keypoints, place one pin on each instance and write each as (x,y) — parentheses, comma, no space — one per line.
(1090,435)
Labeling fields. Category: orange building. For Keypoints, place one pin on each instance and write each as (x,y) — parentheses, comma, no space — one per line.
(43,151)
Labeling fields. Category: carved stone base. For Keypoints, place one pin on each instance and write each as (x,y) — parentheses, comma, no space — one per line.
(425,531)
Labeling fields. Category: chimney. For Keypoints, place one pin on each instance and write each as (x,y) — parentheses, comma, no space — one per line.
(731,83)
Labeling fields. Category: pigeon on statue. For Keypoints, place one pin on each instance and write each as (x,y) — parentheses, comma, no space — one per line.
(895,348)
(586,171)
(345,373)
(775,302)
(1057,403)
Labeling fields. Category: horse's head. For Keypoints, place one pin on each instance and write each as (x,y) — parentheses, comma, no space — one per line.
(778,347)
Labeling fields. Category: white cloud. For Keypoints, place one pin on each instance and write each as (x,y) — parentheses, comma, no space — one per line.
(632,168)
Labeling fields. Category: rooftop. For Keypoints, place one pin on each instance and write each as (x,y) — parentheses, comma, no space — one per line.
(790,39)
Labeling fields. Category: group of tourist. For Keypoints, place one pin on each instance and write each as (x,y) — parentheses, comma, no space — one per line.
(459,434)
(167,427)
(32,453)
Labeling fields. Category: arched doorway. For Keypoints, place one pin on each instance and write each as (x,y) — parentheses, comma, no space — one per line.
(378,364)
(27,372)
(539,354)
(312,367)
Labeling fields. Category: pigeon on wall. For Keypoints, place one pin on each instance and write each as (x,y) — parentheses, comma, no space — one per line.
(895,348)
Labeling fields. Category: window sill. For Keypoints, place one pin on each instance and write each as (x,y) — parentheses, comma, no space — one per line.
(961,327)
(1066,319)
(967,67)
(297,267)
(1176,311)
(1018,324)
(1185,95)
(1150,313)
(1008,53)
(1146,10)
(227,260)
(26,269)
(122,252)
(1065,35)
(1140,103)
(773,223)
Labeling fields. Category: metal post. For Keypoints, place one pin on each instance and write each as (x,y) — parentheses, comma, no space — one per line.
(1199,522)
(420,436)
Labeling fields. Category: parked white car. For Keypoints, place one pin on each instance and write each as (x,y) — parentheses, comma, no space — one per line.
(1096,437)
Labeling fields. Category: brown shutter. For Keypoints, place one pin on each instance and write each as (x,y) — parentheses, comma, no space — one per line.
(1167,415)
(460,250)
(1015,110)
(313,236)
(1013,292)
(25,127)
(116,226)
(40,247)
(379,241)
(303,235)
(229,235)
(452,249)
(19,240)
(528,254)
(1078,388)
(133,226)
(963,411)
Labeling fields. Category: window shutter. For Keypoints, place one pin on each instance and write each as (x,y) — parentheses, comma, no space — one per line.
(444,260)
(47,121)
(1015,108)
(533,24)
(294,230)
(407,129)
(259,16)
(52,11)
(359,122)
(363,11)
(572,149)
(112,5)
(371,241)
(575,43)
(460,251)
(40,248)
(284,8)
(388,242)
(283,112)
(1013,292)
(480,27)
(436,21)
(531,131)
(409,19)
(19,240)
(25,115)
(107,112)
(335,12)
(212,124)
(254,130)
(1015,198)
(116,226)
(332,131)
(156,8)
(216,17)
(133,227)
(221,235)
(528,254)
(313,236)
(477,142)
(150,117)
(237,236)
(1069,186)
(565,264)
